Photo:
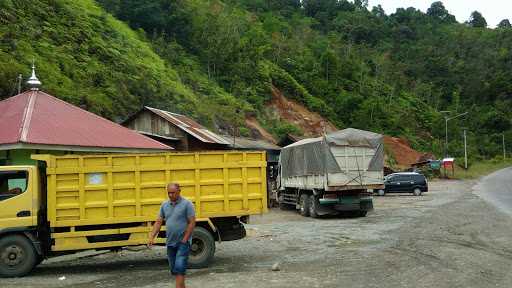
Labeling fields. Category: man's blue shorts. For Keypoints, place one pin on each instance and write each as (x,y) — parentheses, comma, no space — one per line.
(178,258)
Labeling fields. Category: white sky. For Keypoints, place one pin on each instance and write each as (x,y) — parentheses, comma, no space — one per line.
(493,10)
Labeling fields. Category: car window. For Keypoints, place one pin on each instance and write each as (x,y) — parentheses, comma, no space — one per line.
(402,178)
(12,183)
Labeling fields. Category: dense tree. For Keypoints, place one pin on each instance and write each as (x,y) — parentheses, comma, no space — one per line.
(378,11)
(438,11)
(477,20)
(505,23)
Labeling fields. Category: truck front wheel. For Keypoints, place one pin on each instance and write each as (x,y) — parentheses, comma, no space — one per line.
(202,248)
(17,256)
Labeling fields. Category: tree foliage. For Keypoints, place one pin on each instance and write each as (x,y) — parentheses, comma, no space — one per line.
(438,11)
(505,23)
(477,20)
(355,65)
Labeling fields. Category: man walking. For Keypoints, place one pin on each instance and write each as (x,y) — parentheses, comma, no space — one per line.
(179,216)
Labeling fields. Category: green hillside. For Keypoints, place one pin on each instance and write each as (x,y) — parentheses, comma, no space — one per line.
(353,64)
(87,57)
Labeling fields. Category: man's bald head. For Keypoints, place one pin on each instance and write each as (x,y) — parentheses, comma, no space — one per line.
(173,191)
(175,186)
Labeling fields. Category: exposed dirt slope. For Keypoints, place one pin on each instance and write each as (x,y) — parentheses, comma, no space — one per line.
(400,150)
(258,132)
(399,153)
(310,123)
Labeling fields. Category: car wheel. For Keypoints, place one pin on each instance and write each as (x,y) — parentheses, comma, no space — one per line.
(363,213)
(416,192)
(381,192)
(304,205)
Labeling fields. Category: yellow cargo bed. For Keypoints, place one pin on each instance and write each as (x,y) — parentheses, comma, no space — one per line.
(101,190)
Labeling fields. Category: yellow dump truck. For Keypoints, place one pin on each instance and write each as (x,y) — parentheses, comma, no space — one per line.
(71,203)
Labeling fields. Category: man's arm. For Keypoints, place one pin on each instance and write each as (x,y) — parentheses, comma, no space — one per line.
(190,228)
(156,229)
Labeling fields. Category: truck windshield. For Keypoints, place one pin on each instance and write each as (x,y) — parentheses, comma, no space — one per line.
(12,183)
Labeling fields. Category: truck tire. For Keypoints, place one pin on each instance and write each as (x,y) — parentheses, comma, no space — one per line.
(313,206)
(416,192)
(17,256)
(202,248)
(381,192)
(363,213)
(304,205)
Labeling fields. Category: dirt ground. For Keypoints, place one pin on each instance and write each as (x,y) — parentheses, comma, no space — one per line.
(447,238)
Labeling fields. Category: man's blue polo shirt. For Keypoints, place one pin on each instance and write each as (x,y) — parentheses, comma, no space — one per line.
(176,216)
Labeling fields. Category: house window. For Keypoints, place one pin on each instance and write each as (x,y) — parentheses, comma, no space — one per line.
(12,183)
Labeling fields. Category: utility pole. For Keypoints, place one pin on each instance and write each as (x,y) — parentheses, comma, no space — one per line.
(446,119)
(234,135)
(20,78)
(445,136)
(504,151)
(465,152)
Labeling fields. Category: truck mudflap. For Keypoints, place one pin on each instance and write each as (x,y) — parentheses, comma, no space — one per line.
(229,228)
(345,204)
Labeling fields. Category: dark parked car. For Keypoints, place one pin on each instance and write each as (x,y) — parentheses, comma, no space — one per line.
(404,182)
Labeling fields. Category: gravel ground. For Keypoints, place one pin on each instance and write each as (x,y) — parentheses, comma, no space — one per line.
(447,238)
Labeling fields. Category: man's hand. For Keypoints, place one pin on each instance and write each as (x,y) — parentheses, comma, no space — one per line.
(189,230)
(151,242)
(154,232)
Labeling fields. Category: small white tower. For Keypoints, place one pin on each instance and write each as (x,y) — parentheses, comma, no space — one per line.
(33,82)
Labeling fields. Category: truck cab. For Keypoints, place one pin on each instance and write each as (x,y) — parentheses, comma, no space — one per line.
(20,248)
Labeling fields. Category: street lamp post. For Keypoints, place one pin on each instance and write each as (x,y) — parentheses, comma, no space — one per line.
(446,119)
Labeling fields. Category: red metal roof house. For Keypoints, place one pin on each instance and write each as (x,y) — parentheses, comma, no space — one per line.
(35,121)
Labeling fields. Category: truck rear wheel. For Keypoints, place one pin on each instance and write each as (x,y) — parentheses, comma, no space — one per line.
(304,205)
(202,248)
(313,206)
(17,256)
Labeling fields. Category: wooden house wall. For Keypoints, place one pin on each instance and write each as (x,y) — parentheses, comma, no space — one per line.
(147,121)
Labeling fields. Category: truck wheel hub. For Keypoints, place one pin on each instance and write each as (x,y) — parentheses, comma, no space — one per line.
(197,247)
(12,256)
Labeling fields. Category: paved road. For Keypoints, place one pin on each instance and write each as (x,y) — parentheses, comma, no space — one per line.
(496,188)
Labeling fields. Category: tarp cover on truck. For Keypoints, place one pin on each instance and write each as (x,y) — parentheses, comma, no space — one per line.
(313,156)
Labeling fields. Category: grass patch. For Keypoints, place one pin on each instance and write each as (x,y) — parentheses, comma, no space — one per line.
(479,169)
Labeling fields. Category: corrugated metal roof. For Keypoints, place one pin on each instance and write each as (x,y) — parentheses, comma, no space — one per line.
(35,117)
(190,126)
(246,143)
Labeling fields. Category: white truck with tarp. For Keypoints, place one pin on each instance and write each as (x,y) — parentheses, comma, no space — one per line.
(331,174)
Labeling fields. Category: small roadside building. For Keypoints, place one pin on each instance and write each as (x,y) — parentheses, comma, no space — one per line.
(289,139)
(243,143)
(174,129)
(36,122)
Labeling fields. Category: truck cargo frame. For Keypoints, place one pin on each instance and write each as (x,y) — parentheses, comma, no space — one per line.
(109,201)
